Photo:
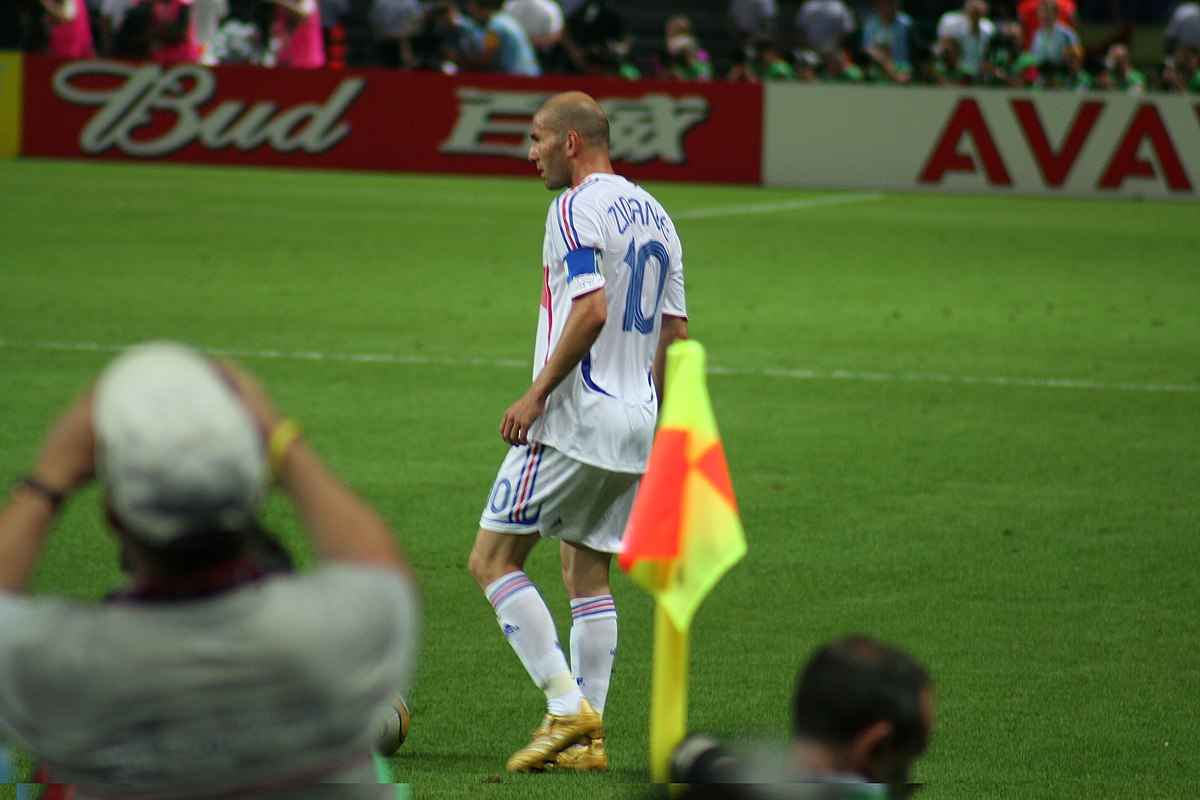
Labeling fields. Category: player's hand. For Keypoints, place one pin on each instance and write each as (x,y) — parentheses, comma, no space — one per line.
(68,456)
(514,427)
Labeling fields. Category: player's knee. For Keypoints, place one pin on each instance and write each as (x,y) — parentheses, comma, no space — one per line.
(480,567)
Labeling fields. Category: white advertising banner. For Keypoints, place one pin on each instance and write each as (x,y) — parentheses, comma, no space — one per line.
(1093,144)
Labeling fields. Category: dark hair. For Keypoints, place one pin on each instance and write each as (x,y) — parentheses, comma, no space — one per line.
(851,683)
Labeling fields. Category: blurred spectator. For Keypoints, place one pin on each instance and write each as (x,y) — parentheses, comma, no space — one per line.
(447,38)
(945,66)
(1119,74)
(297,39)
(599,61)
(1181,72)
(823,25)
(333,32)
(1030,17)
(393,24)
(751,19)
(132,29)
(1075,75)
(542,21)
(836,67)
(1005,61)
(1183,27)
(112,17)
(207,16)
(763,60)
(973,30)
(69,29)
(239,41)
(544,24)
(173,36)
(884,68)
(1049,42)
(22,25)
(595,25)
(888,30)
(681,57)
(862,714)
(505,47)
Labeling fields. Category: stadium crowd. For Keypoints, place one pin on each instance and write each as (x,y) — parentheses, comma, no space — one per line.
(1007,43)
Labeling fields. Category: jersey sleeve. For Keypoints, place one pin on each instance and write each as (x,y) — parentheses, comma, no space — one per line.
(579,225)
(674,302)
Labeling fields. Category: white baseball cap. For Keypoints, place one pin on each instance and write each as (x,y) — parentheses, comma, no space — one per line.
(178,451)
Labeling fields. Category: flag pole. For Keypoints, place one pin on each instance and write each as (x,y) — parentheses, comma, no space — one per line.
(668,693)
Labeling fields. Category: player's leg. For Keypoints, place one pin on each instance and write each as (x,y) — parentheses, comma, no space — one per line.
(593,619)
(508,530)
(593,643)
(497,563)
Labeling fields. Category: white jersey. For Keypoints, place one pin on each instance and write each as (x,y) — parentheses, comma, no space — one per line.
(280,681)
(607,233)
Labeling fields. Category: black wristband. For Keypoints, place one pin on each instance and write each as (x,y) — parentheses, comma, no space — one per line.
(52,496)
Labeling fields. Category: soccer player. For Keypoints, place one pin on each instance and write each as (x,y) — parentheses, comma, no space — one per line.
(612,301)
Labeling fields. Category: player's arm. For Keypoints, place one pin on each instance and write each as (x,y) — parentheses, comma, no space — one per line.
(673,329)
(583,326)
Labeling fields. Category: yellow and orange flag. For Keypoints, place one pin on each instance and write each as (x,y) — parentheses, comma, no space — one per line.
(683,535)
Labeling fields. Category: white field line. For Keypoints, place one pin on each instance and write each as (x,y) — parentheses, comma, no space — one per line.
(787,374)
(770,208)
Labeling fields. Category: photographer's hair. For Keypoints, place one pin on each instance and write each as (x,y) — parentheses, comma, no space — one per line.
(851,683)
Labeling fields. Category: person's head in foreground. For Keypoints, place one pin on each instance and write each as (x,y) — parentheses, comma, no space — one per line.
(862,707)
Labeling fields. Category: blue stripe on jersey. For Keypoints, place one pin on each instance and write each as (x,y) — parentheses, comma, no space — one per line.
(584,261)
(585,367)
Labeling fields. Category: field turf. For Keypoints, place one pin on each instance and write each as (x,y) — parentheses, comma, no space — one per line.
(970,425)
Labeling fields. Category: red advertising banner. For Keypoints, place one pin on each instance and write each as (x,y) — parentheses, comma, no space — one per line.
(375,119)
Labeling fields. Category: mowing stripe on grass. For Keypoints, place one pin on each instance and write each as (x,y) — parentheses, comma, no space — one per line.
(792,374)
(769,208)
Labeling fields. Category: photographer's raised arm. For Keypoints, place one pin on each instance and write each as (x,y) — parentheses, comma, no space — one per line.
(67,461)
(341,525)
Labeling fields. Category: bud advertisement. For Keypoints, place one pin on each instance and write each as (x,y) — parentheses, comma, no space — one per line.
(375,119)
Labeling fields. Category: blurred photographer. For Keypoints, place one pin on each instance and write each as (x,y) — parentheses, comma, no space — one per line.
(216,673)
(862,714)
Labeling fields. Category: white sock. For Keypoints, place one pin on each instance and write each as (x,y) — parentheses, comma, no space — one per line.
(593,646)
(522,615)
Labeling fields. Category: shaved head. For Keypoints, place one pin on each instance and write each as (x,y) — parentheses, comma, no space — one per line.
(579,112)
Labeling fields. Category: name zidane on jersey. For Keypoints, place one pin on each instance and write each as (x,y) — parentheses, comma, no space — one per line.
(153,96)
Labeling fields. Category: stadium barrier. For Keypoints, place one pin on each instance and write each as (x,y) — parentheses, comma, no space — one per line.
(798,135)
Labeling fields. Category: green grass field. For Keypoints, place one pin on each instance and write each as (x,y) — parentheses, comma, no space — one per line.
(970,425)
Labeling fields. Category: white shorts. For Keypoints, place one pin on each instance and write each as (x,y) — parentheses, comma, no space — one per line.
(540,490)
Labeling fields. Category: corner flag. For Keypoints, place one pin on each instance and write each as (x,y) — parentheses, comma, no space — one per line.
(683,535)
